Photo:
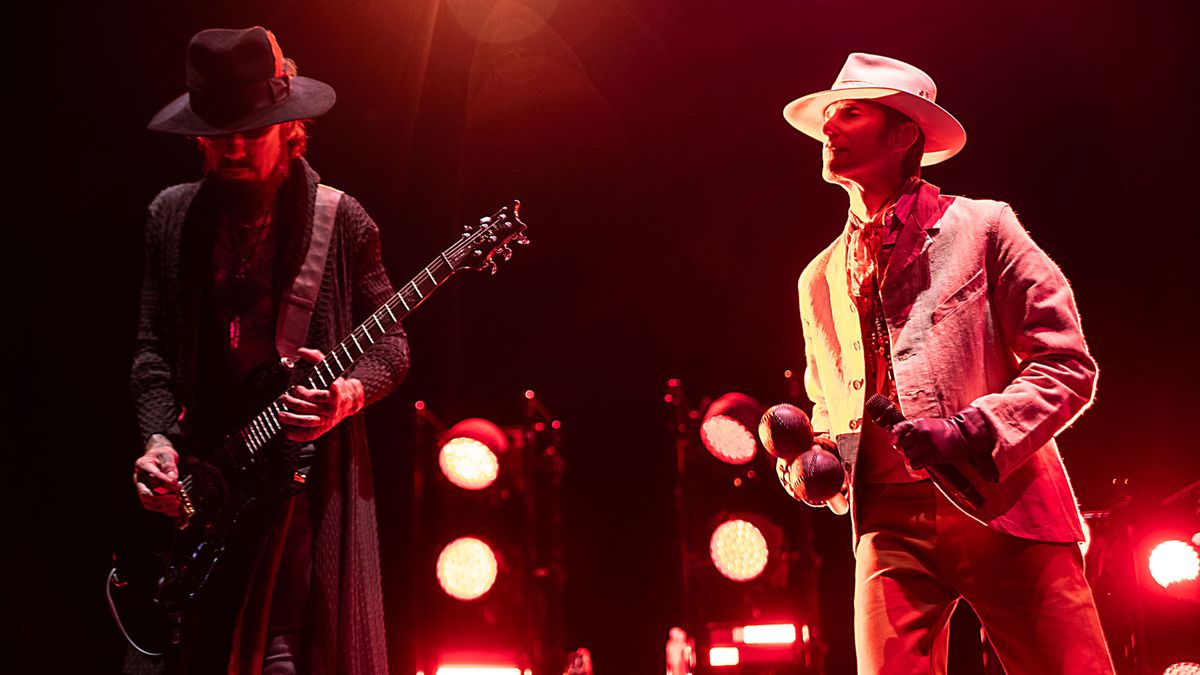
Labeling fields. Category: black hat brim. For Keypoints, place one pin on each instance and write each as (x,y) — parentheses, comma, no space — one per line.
(306,98)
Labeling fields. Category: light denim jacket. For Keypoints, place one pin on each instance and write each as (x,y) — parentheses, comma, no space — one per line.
(978,315)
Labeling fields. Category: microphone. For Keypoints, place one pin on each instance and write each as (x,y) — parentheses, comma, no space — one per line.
(885,413)
(786,433)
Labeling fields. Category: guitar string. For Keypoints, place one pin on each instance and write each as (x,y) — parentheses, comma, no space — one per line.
(438,263)
(246,432)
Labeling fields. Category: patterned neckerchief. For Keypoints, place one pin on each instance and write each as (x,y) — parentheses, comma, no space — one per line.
(866,239)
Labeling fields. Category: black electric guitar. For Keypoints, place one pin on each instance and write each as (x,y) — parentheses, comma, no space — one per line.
(231,495)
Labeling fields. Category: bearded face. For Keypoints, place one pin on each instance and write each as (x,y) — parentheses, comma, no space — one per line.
(248,167)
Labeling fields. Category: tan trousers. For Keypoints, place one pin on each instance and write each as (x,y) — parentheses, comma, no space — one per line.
(917,555)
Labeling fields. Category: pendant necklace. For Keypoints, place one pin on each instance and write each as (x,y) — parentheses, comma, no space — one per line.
(248,240)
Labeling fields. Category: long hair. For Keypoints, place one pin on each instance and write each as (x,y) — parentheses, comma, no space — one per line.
(297,139)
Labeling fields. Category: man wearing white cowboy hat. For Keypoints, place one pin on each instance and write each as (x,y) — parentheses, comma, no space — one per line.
(221,255)
(944,306)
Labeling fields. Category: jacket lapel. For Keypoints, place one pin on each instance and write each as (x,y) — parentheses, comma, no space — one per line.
(915,236)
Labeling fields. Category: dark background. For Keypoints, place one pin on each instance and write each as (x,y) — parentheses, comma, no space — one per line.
(671,209)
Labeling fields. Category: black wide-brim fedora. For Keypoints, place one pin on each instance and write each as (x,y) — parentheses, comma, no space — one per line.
(238,80)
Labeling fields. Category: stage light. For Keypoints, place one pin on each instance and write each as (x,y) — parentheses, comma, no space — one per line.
(766,634)
(469,464)
(1183,668)
(466,568)
(468,669)
(758,576)
(1173,562)
(728,428)
(723,656)
(738,550)
(469,454)
(486,531)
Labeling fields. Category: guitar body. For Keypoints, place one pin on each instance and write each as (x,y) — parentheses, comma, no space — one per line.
(198,584)
(209,573)
(230,510)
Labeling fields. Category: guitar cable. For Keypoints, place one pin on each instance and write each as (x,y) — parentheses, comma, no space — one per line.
(112,607)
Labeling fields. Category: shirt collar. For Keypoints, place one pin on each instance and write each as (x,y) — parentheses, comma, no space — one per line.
(901,211)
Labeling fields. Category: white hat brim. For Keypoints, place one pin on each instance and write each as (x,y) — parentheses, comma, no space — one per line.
(944,136)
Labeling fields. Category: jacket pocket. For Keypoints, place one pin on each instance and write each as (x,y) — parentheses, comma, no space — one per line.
(956,300)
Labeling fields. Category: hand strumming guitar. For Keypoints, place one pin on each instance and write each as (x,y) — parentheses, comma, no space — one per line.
(156,476)
(313,412)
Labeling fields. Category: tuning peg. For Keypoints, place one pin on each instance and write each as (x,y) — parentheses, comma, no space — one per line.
(522,239)
(491,266)
(470,227)
(505,253)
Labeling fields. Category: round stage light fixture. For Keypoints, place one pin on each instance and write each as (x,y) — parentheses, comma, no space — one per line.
(1174,561)
(466,568)
(728,428)
(738,549)
(470,453)
(1183,668)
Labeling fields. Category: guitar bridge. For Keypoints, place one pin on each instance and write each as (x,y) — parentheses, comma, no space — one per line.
(187,507)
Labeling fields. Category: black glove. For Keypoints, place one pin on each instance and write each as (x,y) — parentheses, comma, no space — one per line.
(964,436)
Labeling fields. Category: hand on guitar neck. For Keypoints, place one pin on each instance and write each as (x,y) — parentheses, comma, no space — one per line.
(313,412)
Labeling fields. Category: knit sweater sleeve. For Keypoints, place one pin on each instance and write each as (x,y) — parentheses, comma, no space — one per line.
(383,367)
(152,378)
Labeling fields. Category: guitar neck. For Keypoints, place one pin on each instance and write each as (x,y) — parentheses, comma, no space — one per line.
(477,247)
(265,425)
(392,312)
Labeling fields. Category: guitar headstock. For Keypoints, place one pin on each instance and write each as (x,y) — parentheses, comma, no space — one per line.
(488,238)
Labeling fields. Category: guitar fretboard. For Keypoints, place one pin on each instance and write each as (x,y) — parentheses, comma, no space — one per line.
(265,425)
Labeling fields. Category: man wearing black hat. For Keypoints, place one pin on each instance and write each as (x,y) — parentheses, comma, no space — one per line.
(224,259)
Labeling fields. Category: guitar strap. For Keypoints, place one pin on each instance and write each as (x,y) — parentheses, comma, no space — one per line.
(298,302)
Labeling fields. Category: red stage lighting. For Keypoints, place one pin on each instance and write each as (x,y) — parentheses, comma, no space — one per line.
(469,454)
(1173,562)
(723,656)
(738,549)
(466,568)
(728,428)
(1183,668)
(766,634)
(473,669)
(765,647)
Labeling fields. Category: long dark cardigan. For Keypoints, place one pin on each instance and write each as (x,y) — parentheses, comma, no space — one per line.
(345,626)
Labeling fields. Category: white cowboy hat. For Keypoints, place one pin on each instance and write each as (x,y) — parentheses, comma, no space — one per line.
(893,83)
